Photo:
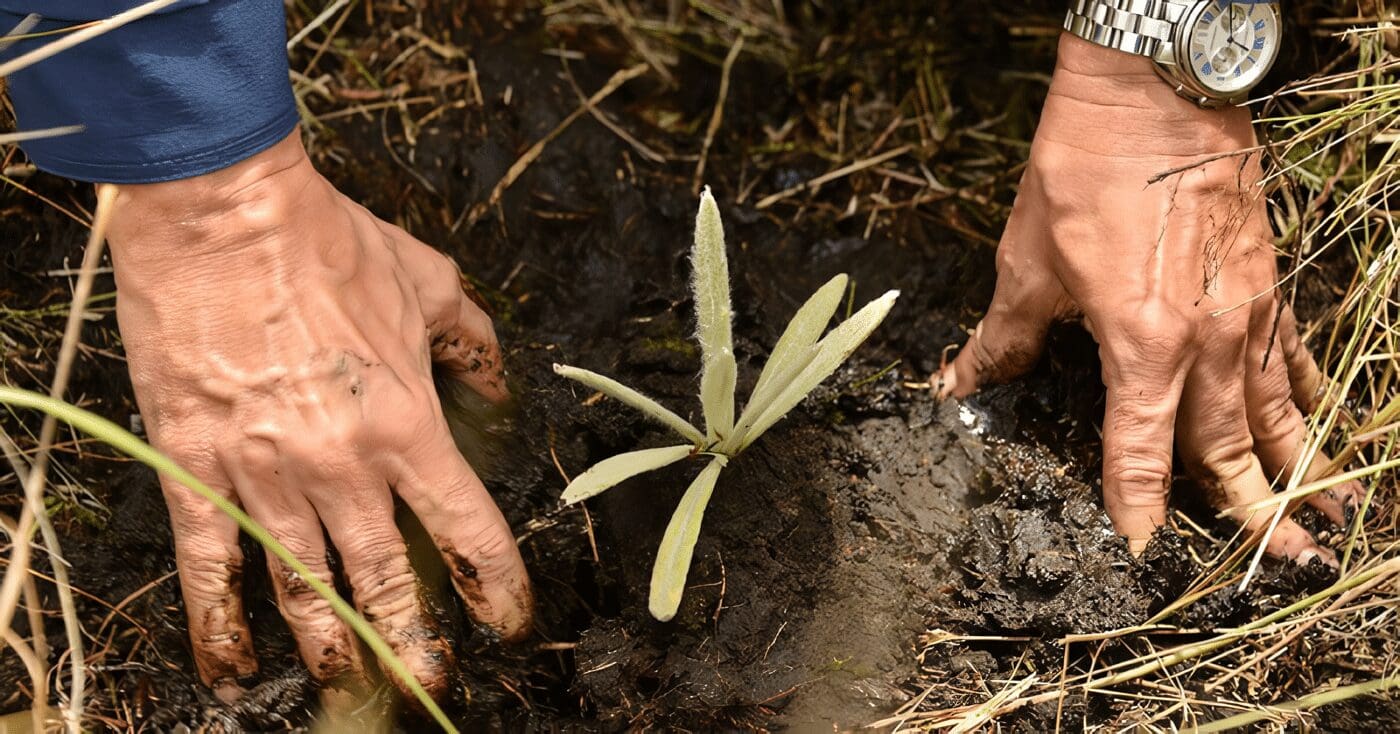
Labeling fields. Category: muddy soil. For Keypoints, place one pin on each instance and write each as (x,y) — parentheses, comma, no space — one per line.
(869,516)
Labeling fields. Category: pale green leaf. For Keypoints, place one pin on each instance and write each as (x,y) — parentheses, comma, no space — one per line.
(618,391)
(831,351)
(717,394)
(612,471)
(710,283)
(795,348)
(678,545)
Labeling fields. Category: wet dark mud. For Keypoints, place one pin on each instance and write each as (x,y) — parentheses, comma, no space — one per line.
(868,517)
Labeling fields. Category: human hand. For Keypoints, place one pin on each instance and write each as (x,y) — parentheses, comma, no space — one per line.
(1174,279)
(281,342)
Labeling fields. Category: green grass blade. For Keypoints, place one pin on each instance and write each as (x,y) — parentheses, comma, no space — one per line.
(710,283)
(612,471)
(622,393)
(123,441)
(678,545)
(831,352)
(795,348)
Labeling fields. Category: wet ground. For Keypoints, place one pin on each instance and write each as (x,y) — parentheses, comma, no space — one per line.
(868,517)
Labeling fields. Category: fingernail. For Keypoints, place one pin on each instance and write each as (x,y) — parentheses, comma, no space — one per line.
(1307,557)
(942,382)
(1352,504)
(227,690)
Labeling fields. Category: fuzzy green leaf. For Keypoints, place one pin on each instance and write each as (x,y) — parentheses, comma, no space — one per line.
(710,283)
(618,391)
(717,394)
(614,470)
(795,348)
(831,351)
(678,545)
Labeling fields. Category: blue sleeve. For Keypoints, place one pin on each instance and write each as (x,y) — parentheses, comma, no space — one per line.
(195,88)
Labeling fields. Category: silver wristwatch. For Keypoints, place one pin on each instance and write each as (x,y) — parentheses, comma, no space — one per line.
(1212,51)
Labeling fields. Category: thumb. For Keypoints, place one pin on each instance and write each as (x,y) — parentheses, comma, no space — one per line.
(1011,337)
(463,341)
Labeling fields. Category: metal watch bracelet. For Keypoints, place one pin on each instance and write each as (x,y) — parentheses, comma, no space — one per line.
(1142,27)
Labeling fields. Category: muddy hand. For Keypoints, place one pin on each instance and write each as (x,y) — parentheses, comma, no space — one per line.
(281,342)
(1165,276)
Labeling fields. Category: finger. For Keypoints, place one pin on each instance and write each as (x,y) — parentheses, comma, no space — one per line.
(463,340)
(1218,448)
(359,518)
(1304,377)
(1280,432)
(468,350)
(210,566)
(1010,338)
(476,543)
(1144,369)
(324,641)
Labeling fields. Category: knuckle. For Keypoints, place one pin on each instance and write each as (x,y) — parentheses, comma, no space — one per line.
(1278,420)
(387,591)
(390,601)
(210,578)
(298,545)
(1137,414)
(493,551)
(440,293)
(374,548)
(190,514)
(298,598)
(1225,459)
(1139,481)
(1152,333)
(1013,353)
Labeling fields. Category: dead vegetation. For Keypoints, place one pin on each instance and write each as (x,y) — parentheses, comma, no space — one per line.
(899,120)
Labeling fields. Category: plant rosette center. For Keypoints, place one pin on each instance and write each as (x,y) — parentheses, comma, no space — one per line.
(801,360)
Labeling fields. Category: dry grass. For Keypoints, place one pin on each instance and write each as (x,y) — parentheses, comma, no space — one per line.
(1332,144)
(875,141)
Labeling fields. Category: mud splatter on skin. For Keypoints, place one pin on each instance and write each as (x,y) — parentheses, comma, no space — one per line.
(232,666)
(468,586)
(479,361)
(463,575)
(841,524)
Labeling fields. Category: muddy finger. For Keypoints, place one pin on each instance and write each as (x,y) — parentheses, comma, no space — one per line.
(463,341)
(1280,433)
(1218,450)
(1011,337)
(469,352)
(476,543)
(1145,360)
(211,581)
(326,644)
(360,521)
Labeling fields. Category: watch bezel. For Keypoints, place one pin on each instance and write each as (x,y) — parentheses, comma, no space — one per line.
(1185,73)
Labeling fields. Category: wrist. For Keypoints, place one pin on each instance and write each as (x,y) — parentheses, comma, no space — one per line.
(159,227)
(1113,102)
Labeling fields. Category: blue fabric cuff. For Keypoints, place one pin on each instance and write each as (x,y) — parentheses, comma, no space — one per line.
(170,96)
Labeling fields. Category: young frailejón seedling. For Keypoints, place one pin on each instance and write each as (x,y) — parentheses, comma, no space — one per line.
(800,361)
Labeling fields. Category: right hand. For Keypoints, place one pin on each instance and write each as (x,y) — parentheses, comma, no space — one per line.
(1175,280)
(281,342)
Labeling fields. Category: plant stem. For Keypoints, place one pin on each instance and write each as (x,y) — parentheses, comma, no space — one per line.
(1310,701)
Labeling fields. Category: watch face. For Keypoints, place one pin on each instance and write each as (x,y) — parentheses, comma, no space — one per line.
(1230,45)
